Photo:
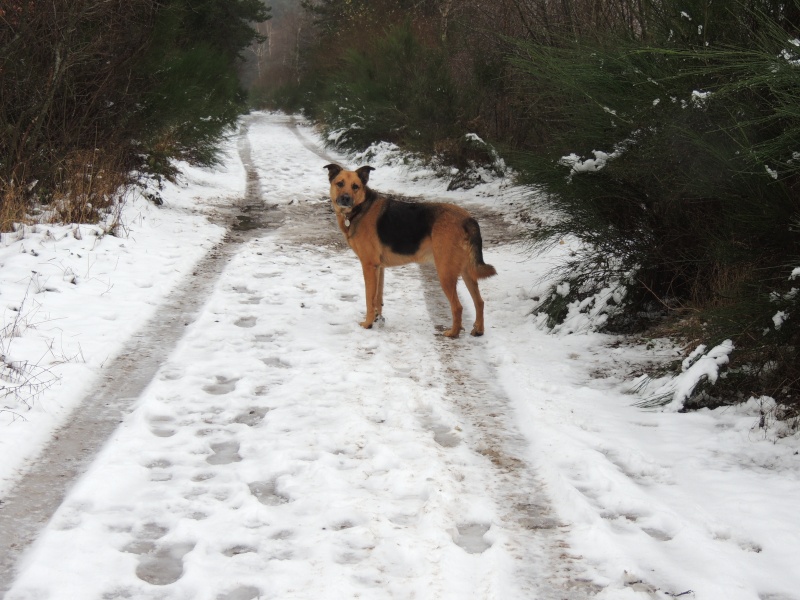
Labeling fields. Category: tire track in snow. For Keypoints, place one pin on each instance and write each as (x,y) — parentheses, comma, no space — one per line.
(27,508)
(533,532)
(308,144)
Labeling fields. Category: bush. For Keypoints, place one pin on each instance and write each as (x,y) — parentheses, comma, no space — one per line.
(90,86)
(676,160)
(394,90)
(192,93)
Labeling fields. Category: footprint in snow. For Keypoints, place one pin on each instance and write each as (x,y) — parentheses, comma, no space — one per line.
(274,361)
(157,565)
(225,453)
(265,492)
(238,549)
(470,537)
(164,565)
(144,543)
(158,470)
(442,434)
(251,417)
(245,592)
(221,387)
(444,437)
(159,426)
(246,322)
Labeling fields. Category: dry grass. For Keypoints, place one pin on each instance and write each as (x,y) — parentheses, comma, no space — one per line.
(686,327)
(12,207)
(89,181)
(86,186)
(722,286)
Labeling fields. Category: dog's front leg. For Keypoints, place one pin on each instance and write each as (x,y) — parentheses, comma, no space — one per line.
(372,276)
(379,294)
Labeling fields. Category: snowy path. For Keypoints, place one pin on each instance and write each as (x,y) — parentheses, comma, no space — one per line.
(283,452)
(268,447)
(69,454)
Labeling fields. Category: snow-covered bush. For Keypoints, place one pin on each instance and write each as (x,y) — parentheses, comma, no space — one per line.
(675,162)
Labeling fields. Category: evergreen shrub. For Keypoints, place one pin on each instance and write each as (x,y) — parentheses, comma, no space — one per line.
(396,90)
(675,160)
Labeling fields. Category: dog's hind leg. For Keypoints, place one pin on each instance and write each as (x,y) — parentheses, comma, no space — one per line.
(448,278)
(474,291)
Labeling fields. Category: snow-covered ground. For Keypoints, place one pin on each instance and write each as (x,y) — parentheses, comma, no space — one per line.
(283,452)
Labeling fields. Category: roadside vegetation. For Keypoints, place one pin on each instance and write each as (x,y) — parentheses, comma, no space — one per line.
(93,93)
(666,134)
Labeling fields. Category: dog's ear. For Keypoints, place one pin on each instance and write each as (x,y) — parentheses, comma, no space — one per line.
(333,171)
(363,173)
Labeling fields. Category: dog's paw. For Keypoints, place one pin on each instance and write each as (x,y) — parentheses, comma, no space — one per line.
(380,321)
(476,333)
(366,324)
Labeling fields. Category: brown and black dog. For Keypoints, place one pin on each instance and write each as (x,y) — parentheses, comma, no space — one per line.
(387,233)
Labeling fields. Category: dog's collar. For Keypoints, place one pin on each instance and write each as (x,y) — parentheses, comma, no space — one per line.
(357,212)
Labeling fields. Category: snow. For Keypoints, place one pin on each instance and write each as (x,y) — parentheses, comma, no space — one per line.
(698,99)
(283,452)
(700,366)
(587,314)
(790,57)
(589,165)
(600,160)
(75,293)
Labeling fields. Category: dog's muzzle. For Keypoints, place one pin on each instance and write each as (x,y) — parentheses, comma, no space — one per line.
(345,201)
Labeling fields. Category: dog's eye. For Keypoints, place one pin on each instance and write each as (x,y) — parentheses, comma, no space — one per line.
(355,187)
(340,184)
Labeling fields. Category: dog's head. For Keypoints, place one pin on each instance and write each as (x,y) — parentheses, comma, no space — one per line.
(348,188)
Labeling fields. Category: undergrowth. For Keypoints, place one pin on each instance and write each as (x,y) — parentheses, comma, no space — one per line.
(676,162)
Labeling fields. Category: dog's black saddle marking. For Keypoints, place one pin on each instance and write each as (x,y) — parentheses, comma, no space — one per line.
(403,225)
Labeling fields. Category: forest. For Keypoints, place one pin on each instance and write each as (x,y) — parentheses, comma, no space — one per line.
(665,134)
(93,93)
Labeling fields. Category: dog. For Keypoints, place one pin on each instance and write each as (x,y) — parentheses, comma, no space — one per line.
(384,232)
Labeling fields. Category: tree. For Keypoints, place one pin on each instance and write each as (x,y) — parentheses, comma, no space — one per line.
(87,85)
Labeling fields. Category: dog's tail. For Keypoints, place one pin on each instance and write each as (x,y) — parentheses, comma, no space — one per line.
(479,269)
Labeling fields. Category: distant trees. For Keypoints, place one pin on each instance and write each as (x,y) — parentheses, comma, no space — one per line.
(91,88)
(275,68)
